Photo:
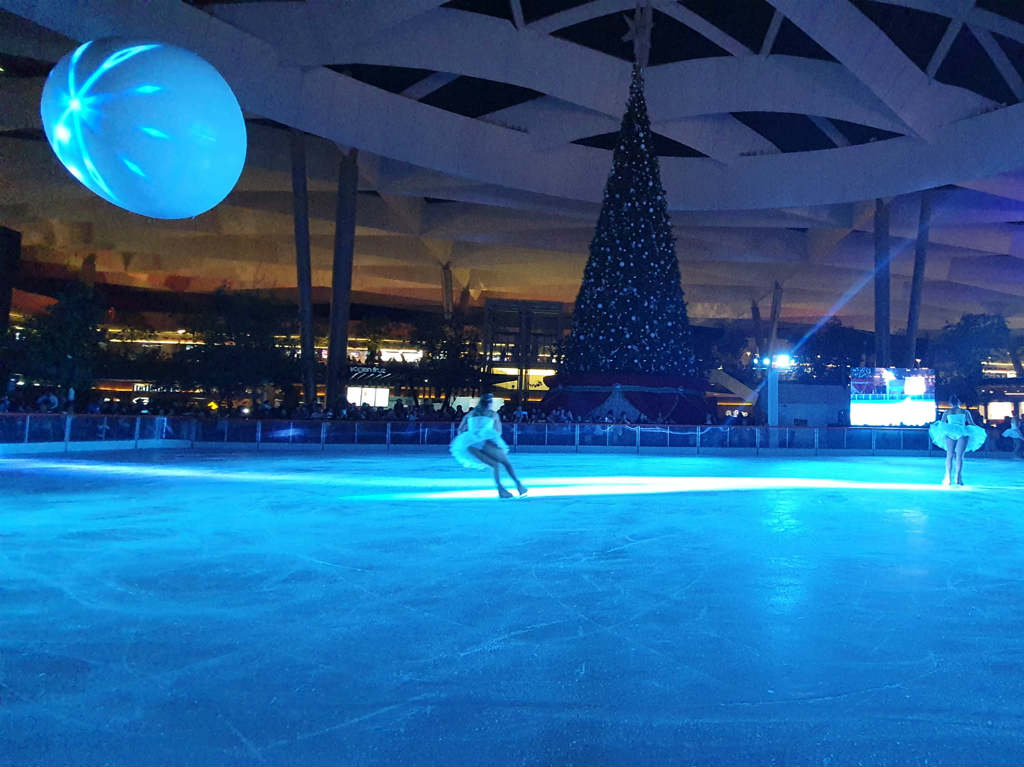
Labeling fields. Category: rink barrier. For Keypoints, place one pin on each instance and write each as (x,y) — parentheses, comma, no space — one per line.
(52,432)
(56,432)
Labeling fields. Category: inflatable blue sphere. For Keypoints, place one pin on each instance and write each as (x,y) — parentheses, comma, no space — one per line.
(150,127)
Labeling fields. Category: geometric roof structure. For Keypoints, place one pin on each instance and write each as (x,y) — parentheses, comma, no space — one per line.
(484,130)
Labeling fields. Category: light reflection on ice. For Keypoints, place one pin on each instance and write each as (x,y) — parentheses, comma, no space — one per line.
(575,486)
(542,487)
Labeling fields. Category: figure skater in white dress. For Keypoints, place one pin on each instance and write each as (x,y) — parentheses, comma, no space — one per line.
(1015,434)
(479,445)
(957,434)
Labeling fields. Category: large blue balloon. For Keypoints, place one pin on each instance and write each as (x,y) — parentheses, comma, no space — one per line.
(147,126)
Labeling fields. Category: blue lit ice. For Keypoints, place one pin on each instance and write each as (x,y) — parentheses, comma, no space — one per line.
(383,608)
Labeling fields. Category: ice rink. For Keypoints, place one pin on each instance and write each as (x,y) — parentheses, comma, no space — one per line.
(242,608)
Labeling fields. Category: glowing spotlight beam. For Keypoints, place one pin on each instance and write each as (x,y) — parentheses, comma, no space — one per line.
(844,299)
(853,290)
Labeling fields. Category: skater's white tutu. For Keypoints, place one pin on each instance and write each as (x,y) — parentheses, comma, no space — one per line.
(479,430)
(955,426)
(1013,433)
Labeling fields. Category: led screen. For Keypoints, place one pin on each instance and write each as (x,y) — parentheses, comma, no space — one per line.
(892,396)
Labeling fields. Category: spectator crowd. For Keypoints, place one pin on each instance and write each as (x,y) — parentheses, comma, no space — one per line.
(50,400)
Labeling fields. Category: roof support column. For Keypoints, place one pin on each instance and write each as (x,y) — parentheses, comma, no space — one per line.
(300,208)
(882,279)
(755,317)
(341,278)
(447,299)
(917,282)
(773,323)
(772,378)
(87,273)
(10,263)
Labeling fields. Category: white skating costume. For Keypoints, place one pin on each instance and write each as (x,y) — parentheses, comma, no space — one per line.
(480,429)
(1014,432)
(956,426)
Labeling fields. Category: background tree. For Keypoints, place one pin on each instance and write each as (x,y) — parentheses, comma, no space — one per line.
(13,357)
(1016,351)
(451,358)
(630,315)
(958,352)
(407,378)
(374,328)
(240,349)
(64,343)
(129,358)
(832,350)
(722,348)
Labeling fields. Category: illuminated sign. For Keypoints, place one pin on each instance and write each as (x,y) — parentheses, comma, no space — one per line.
(892,396)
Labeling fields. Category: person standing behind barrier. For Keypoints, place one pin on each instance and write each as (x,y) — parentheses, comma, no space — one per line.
(479,445)
(957,434)
(47,402)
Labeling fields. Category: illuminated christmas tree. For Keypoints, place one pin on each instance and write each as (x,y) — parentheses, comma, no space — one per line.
(630,316)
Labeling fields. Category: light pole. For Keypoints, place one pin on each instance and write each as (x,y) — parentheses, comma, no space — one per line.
(776,363)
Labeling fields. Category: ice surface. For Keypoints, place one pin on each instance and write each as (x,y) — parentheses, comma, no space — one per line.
(313,609)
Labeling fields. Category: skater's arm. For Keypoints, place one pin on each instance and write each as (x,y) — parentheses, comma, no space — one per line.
(465,421)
